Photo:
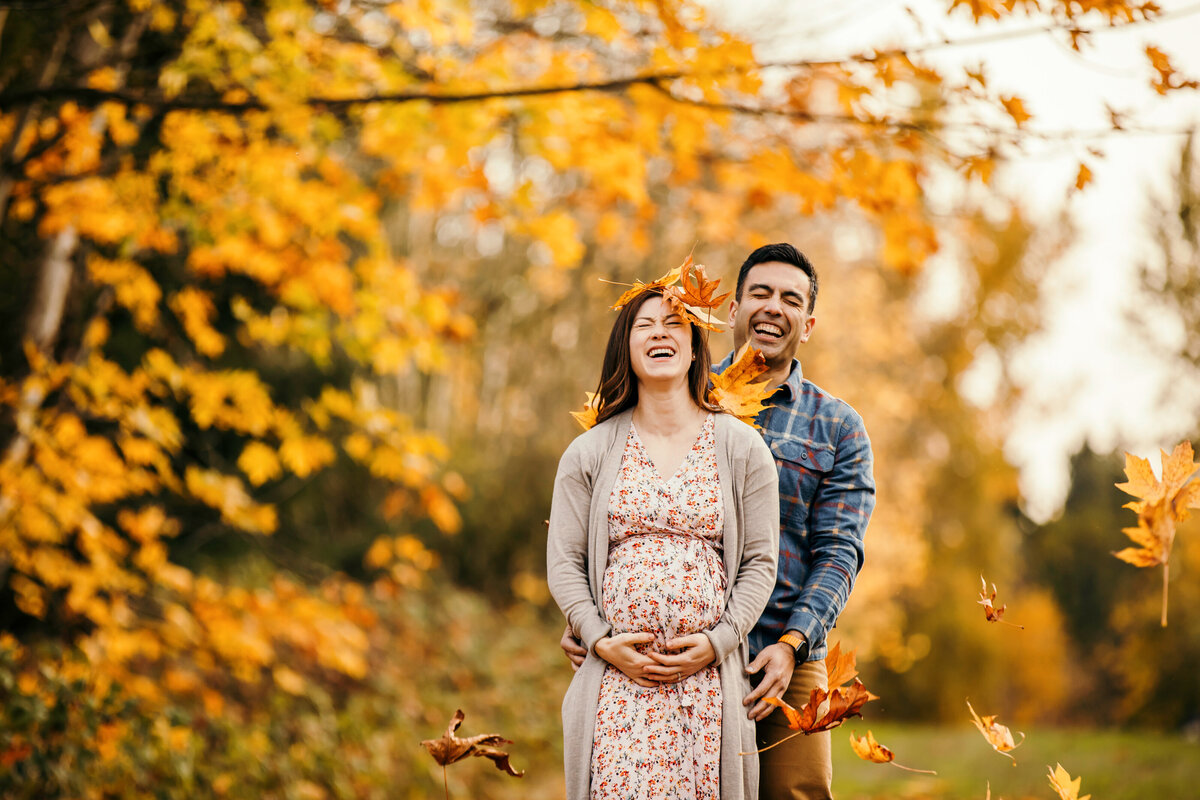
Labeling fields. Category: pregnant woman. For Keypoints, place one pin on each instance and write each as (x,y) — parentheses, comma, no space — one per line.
(661,555)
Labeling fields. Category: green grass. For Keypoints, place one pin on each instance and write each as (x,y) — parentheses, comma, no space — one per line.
(1127,765)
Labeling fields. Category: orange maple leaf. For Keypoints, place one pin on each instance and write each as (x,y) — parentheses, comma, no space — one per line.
(587,417)
(660,283)
(868,749)
(839,667)
(740,389)
(997,735)
(699,299)
(838,703)
(990,611)
(450,748)
(1060,781)
(1162,504)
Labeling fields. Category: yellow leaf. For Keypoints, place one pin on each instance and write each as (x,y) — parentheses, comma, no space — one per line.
(868,749)
(289,680)
(259,463)
(304,455)
(1060,781)
(997,735)
(740,389)
(195,310)
(587,417)
(1162,504)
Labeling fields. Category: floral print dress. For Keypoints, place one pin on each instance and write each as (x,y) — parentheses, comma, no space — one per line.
(664,575)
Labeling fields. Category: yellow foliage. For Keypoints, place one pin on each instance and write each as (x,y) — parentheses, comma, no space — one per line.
(259,463)
(195,310)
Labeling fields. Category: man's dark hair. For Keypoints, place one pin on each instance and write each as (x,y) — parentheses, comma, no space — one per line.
(785,253)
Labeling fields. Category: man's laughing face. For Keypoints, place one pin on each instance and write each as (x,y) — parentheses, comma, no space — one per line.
(772,313)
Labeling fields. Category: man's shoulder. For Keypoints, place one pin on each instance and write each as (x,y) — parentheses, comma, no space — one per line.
(823,406)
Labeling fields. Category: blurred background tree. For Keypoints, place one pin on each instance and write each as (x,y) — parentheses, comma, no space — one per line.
(297,298)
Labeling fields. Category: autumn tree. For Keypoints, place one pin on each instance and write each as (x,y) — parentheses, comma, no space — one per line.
(273,265)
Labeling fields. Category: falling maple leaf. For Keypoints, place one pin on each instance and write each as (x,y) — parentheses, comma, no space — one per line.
(1060,781)
(997,735)
(1162,504)
(992,613)
(868,749)
(741,389)
(838,703)
(587,417)
(840,667)
(450,748)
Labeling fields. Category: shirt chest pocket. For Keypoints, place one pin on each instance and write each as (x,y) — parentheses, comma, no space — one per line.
(803,465)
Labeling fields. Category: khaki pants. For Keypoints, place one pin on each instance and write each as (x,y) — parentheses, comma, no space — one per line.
(800,768)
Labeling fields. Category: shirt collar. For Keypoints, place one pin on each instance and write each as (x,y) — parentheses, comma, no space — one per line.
(789,390)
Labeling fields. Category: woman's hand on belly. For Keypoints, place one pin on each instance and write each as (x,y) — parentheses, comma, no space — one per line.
(695,652)
(620,651)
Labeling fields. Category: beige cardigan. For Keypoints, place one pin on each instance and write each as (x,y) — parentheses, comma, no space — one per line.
(577,553)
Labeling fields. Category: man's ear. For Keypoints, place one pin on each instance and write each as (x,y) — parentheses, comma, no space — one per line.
(732,311)
(807,330)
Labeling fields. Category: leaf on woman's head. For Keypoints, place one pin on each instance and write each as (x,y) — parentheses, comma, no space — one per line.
(451,748)
(697,300)
(741,389)
(701,292)
(997,735)
(661,283)
(587,417)
(1060,781)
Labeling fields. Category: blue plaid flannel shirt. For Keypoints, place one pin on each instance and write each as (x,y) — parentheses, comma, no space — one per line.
(826,495)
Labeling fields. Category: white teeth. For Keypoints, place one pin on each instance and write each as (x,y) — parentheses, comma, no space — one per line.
(661,351)
(767,328)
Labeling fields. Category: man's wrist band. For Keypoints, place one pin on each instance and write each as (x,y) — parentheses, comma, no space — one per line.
(794,641)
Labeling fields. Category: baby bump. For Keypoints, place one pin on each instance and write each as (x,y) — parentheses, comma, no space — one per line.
(668,585)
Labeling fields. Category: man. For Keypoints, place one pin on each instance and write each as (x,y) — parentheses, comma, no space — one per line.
(826,495)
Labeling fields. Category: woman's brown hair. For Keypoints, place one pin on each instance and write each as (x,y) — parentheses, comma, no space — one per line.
(618,388)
